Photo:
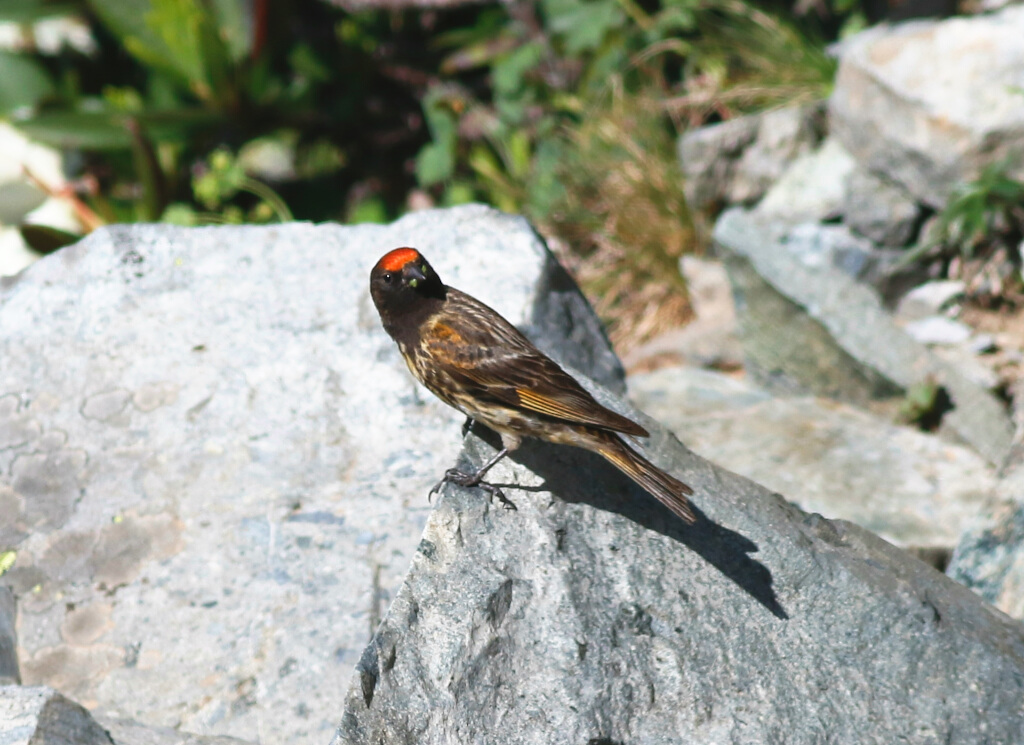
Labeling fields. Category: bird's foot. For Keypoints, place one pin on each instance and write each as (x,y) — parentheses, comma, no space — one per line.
(461,478)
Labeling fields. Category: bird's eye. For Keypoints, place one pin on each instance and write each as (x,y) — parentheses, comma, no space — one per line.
(387,277)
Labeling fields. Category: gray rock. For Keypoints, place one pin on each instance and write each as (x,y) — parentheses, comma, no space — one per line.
(812,189)
(911,488)
(214,463)
(815,330)
(982,344)
(8,639)
(818,245)
(41,716)
(880,211)
(929,104)
(129,732)
(737,161)
(967,362)
(928,299)
(591,615)
(990,558)
(786,349)
(938,330)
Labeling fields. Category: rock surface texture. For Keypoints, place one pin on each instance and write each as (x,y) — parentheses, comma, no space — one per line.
(41,716)
(737,161)
(8,639)
(591,615)
(929,104)
(990,558)
(214,464)
(910,487)
(807,327)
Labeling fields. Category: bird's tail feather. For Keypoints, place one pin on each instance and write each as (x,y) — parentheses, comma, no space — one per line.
(670,491)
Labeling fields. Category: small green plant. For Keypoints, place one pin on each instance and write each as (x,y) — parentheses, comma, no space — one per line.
(977,236)
(987,211)
(924,405)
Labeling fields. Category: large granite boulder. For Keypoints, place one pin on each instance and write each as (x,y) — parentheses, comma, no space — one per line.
(214,464)
(929,104)
(592,615)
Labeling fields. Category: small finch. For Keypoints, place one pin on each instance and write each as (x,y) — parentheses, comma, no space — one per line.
(474,360)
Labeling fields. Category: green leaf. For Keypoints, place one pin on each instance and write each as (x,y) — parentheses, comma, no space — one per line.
(518,154)
(509,70)
(44,239)
(371,209)
(30,11)
(304,61)
(584,25)
(179,213)
(434,163)
(235,27)
(79,130)
(106,130)
(458,192)
(126,19)
(178,37)
(23,82)
(436,160)
(7,559)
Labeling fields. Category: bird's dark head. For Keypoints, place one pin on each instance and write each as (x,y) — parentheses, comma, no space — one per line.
(402,281)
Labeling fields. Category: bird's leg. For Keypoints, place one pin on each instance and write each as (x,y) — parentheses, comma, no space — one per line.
(467,425)
(455,476)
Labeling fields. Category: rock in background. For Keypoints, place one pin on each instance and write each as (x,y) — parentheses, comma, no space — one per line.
(33,716)
(808,327)
(927,105)
(214,464)
(817,265)
(909,487)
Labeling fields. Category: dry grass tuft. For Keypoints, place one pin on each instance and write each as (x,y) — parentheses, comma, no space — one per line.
(624,222)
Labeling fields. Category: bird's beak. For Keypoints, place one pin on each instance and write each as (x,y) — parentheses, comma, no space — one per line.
(413,275)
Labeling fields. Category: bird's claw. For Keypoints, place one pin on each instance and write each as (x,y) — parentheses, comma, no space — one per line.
(461,478)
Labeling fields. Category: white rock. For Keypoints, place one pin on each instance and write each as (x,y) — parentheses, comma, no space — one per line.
(912,488)
(928,299)
(812,189)
(938,330)
(928,104)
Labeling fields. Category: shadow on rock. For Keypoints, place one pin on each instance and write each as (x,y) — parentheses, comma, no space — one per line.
(572,474)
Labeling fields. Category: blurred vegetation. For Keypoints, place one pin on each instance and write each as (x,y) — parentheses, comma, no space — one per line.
(205,111)
(978,236)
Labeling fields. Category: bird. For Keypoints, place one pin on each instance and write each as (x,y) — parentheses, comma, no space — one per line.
(474,360)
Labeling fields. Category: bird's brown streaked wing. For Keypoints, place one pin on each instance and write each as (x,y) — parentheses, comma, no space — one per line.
(485,351)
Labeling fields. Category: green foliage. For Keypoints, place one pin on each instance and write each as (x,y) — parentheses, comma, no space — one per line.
(536,111)
(981,215)
(986,210)
(23,82)
(924,405)
(551,64)
(175,85)
(30,11)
